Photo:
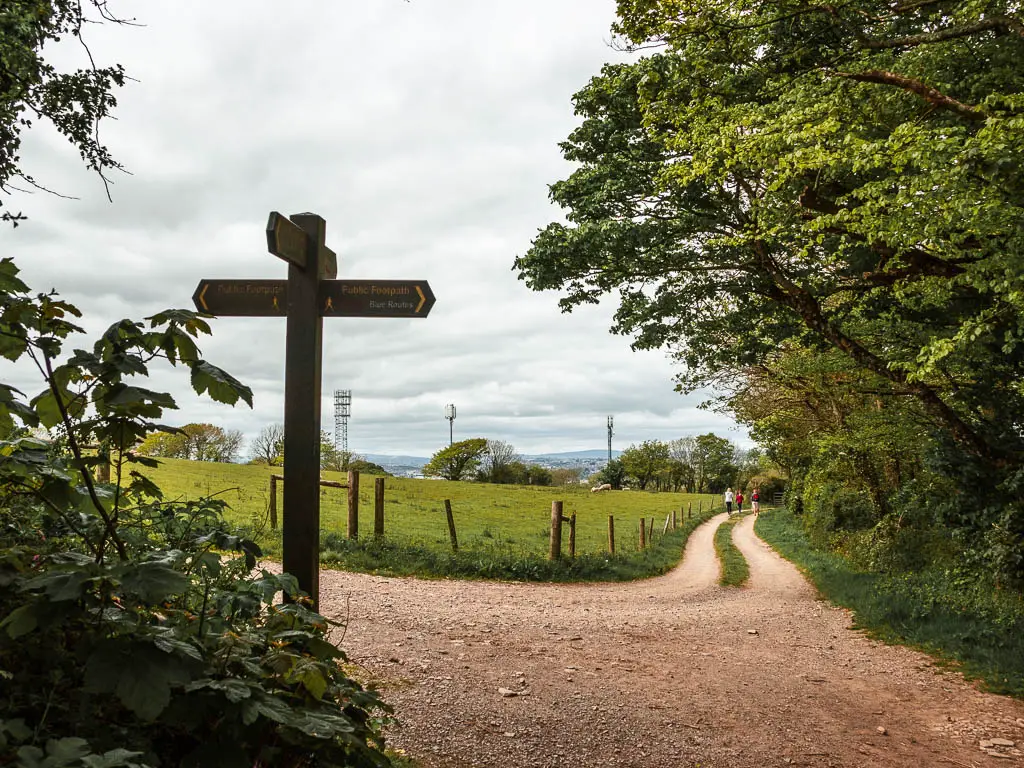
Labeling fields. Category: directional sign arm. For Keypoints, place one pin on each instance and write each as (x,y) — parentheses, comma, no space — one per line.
(328,264)
(375,298)
(286,240)
(242,298)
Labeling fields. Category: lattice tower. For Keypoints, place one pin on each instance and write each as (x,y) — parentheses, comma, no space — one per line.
(342,410)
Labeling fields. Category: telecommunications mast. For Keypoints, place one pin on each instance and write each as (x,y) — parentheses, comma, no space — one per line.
(449,413)
(342,410)
(611,421)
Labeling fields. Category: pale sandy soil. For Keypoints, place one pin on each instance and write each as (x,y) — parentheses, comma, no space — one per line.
(665,672)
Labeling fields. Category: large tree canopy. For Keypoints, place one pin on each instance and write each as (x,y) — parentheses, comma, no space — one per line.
(791,174)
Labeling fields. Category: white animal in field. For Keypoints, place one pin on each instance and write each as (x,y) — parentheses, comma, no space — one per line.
(602,487)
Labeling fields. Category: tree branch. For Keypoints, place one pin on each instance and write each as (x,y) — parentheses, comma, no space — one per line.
(905,83)
(1003,24)
(801,301)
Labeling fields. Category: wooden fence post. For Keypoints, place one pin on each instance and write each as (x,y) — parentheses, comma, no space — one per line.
(668,520)
(643,533)
(611,534)
(674,523)
(378,507)
(650,533)
(700,507)
(273,502)
(689,509)
(572,535)
(353,503)
(556,531)
(451,525)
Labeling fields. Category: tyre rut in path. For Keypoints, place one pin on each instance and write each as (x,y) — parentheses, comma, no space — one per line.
(662,672)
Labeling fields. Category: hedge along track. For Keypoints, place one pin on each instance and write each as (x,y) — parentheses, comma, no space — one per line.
(735,570)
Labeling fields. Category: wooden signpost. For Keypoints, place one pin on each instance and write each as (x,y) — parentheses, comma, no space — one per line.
(310,294)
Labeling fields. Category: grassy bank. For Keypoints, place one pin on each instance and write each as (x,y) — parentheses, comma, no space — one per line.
(498,561)
(948,613)
(503,531)
(735,570)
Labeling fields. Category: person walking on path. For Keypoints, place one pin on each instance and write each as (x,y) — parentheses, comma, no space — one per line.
(739,502)
(729,498)
(755,500)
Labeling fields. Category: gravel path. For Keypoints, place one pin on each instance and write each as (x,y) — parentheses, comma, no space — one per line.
(672,671)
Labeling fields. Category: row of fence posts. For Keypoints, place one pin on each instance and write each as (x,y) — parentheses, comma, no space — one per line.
(558,518)
(646,528)
(353,502)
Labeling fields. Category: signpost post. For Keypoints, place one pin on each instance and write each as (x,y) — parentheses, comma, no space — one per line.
(310,294)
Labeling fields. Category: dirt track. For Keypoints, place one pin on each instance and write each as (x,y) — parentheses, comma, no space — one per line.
(665,672)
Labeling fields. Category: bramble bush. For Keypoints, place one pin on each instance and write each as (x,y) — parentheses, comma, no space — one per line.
(136,631)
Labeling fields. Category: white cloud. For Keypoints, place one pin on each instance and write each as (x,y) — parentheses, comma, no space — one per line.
(426,134)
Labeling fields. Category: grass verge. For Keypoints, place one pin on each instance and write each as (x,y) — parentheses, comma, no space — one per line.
(948,614)
(735,570)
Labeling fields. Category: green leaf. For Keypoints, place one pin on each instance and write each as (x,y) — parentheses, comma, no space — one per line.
(270,707)
(46,407)
(60,752)
(139,674)
(20,621)
(169,644)
(233,690)
(129,395)
(222,386)
(312,679)
(17,729)
(115,758)
(153,582)
(30,757)
(61,586)
(9,404)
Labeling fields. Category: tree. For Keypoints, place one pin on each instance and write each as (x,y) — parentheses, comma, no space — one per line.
(645,461)
(457,461)
(712,461)
(681,457)
(171,445)
(537,475)
(330,457)
(366,467)
(566,476)
(852,180)
(342,461)
(613,473)
(198,442)
(498,461)
(268,446)
(32,89)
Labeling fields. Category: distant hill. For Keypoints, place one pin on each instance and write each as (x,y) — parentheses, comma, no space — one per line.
(601,453)
(386,460)
(399,461)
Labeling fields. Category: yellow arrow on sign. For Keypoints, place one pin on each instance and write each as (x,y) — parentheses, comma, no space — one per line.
(423,299)
(202,298)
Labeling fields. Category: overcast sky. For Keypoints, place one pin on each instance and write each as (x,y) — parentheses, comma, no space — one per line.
(425,133)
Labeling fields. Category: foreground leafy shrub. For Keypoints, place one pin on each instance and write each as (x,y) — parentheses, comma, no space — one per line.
(134,631)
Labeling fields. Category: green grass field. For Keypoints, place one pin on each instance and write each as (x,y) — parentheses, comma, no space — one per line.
(494,522)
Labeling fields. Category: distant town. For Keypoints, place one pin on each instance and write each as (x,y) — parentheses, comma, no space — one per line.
(588,462)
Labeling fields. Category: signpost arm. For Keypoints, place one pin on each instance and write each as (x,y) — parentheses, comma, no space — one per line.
(301,508)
